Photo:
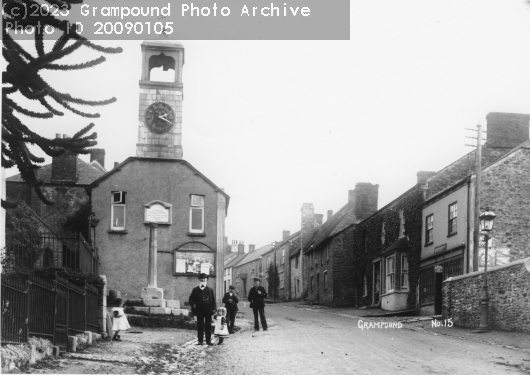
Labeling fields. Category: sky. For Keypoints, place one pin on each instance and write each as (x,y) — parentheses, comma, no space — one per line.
(282,123)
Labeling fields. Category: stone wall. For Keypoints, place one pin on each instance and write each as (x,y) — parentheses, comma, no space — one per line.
(509,292)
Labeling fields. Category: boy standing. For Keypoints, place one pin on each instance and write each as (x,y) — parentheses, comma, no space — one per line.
(230,300)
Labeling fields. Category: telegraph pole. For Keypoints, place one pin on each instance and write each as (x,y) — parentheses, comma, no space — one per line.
(476,213)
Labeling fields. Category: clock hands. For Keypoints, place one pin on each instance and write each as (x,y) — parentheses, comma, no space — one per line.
(163,117)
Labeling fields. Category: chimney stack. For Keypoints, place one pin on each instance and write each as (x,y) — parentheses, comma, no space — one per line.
(64,167)
(506,129)
(98,154)
(251,248)
(319,218)
(308,220)
(285,234)
(423,176)
(330,214)
(241,248)
(364,200)
(116,164)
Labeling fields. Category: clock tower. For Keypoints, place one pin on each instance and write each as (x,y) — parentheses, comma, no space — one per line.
(160,113)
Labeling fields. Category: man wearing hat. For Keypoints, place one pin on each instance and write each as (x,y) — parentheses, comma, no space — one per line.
(230,300)
(256,296)
(203,306)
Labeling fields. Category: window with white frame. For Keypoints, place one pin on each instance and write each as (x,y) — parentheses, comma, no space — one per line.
(281,282)
(404,271)
(283,256)
(325,279)
(453,213)
(401,223)
(429,224)
(118,210)
(390,272)
(197,214)
(383,233)
(268,261)
(296,262)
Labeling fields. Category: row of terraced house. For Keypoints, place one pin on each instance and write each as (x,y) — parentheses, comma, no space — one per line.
(417,252)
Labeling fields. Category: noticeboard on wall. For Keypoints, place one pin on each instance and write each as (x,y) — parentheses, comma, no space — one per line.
(194,258)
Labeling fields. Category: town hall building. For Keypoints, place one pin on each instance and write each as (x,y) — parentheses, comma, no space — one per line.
(162,222)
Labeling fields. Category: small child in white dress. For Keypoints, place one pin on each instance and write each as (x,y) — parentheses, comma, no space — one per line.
(221,328)
(119,320)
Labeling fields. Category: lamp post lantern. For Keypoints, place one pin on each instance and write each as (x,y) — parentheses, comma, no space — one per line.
(486,225)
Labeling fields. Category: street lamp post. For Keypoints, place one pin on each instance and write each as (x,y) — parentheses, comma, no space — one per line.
(486,225)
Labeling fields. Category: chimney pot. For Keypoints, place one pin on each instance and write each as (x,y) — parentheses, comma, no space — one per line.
(330,214)
(251,248)
(57,135)
(319,218)
(285,234)
(116,164)
(65,136)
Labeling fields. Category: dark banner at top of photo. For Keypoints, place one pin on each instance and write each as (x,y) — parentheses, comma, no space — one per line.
(184,20)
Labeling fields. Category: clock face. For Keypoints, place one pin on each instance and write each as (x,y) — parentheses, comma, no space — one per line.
(159,117)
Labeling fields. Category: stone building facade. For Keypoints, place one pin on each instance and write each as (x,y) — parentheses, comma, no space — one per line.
(329,251)
(249,267)
(386,251)
(448,213)
(505,187)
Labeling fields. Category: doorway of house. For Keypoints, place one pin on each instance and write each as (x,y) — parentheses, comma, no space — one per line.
(376,283)
(318,289)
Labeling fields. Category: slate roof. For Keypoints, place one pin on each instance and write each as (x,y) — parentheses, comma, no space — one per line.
(463,167)
(86,173)
(339,221)
(232,260)
(252,256)
(433,193)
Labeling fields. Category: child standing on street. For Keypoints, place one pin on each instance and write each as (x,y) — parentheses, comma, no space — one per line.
(119,320)
(221,328)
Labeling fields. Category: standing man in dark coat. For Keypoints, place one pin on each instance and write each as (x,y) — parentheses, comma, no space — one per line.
(230,300)
(256,296)
(203,306)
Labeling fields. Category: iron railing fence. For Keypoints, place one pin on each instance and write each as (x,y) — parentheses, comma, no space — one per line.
(47,249)
(33,306)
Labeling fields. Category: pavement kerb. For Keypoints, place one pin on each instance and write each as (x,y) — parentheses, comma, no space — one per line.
(412,328)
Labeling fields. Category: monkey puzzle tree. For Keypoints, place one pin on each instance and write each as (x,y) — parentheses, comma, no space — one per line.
(23,76)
